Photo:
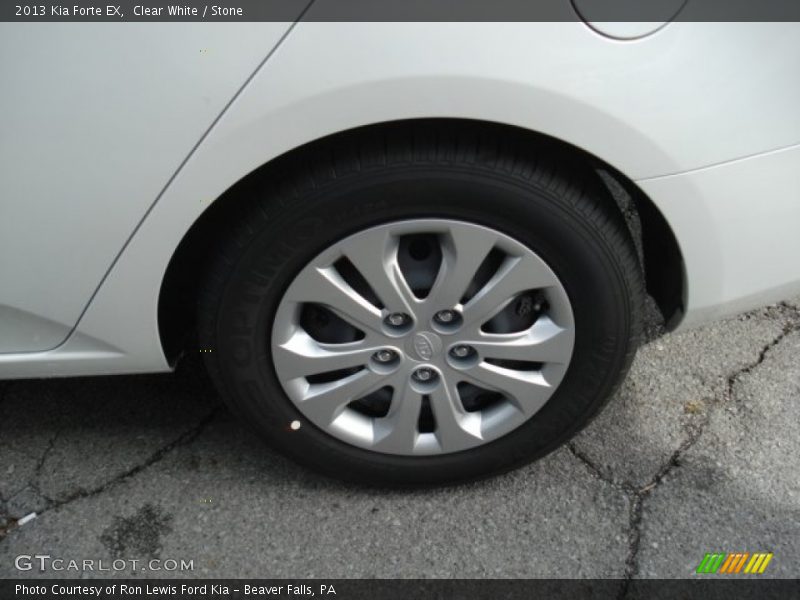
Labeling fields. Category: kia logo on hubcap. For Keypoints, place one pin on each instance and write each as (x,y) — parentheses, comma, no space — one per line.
(424,345)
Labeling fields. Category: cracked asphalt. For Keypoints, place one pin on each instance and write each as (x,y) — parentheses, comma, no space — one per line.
(698,452)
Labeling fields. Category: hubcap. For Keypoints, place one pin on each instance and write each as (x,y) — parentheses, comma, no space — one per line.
(425,336)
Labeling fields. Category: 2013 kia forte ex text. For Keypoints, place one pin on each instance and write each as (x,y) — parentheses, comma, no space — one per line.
(400,248)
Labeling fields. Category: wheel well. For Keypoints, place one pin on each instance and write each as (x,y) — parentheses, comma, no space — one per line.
(658,250)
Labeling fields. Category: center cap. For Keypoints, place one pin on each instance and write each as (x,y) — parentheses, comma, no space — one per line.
(423,346)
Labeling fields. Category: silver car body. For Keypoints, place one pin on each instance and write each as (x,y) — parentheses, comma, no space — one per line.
(117,137)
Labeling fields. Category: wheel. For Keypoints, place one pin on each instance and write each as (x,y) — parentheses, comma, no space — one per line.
(422,308)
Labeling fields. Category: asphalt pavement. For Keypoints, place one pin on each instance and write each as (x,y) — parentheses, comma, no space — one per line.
(698,452)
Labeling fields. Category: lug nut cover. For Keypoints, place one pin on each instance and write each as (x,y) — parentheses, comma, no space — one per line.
(461,351)
(445,316)
(397,319)
(384,356)
(424,374)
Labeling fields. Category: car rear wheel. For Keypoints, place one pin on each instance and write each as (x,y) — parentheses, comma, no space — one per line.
(409,312)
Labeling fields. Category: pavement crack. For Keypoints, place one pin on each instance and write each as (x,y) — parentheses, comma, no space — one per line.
(597,471)
(5,518)
(182,440)
(794,311)
(37,472)
(791,325)
(639,495)
(636,498)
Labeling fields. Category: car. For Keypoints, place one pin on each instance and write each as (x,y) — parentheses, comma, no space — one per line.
(409,253)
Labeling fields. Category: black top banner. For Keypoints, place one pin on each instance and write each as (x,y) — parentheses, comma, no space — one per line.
(400,10)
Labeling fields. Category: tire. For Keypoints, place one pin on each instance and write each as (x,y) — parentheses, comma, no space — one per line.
(539,202)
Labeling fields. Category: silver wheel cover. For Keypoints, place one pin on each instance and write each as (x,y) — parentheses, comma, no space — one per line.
(426,363)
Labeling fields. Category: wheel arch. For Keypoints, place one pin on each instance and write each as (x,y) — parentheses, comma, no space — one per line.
(659,252)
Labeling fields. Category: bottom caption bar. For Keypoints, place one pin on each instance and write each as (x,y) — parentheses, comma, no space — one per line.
(405,589)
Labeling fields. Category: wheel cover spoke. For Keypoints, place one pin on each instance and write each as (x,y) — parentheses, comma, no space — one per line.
(527,390)
(323,402)
(428,386)
(543,342)
(456,428)
(326,287)
(463,252)
(397,432)
(374,254)
(302,355)
(515,275)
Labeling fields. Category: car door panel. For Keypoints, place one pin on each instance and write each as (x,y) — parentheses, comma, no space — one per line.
(94,121)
